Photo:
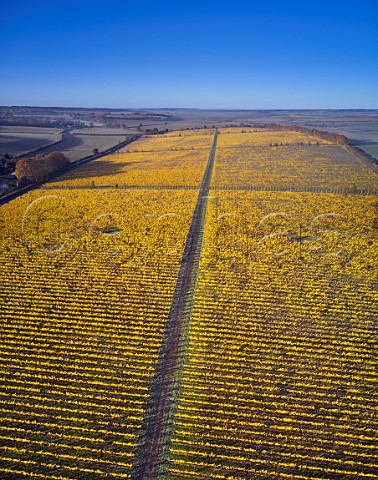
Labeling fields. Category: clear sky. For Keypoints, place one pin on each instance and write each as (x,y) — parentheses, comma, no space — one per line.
(204,54)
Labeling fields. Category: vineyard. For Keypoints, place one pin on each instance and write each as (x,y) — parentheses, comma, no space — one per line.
(175,314)
(287,167)
(148,162)
(82,319)
(279,380)
(247,138)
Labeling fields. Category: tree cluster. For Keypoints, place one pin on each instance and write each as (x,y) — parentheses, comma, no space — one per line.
(30,170)
(7,164)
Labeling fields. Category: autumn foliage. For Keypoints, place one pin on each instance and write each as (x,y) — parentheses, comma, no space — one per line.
(272,374)
(337,138)
(29,170)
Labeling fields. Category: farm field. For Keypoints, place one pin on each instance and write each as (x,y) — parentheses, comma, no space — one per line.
(82,318)
(172,142)
(213,299)
(279,379)
(161,168)
(302,167)
(190,133)
(151,161)
(371,148)
(228,138)
(17,140)
(76,146)
(101,131)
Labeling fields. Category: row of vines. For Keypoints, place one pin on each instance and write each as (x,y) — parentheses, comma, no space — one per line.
(280,376)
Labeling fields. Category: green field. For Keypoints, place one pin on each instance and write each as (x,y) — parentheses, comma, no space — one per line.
(370,148)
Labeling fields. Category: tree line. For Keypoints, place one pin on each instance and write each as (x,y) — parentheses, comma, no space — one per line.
(331,136)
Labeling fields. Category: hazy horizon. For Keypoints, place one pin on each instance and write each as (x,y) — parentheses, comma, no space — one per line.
(205,55)
(165,108)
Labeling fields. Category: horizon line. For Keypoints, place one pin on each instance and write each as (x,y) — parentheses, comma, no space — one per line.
(208,109)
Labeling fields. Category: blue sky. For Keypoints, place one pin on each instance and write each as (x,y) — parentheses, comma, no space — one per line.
(204,54)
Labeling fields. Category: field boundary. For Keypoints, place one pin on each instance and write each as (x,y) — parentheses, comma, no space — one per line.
(162,150)
(284,145)
(122,187)
(262,188)
(154,443)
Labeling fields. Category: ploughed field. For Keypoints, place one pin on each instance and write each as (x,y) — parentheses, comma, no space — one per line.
(16,140)
(276,375)
(76,144)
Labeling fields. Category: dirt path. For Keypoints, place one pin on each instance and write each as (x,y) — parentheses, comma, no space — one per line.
(153,449)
